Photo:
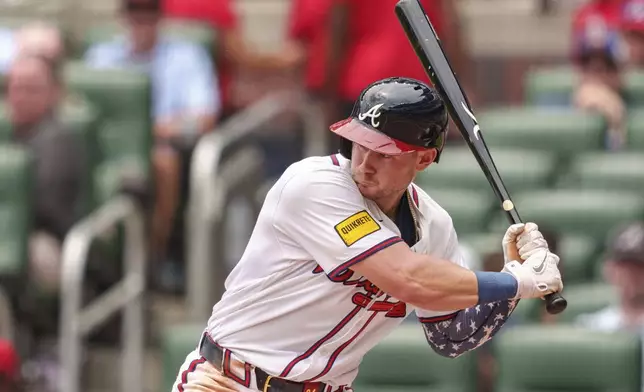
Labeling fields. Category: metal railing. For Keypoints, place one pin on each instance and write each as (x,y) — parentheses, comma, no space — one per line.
(6,317)
(78,321)
(218,176)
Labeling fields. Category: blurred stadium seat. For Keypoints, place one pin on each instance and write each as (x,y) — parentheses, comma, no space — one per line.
(577,211)
(176,342)
(521,169)
(16,184)
(124,137)
(586,298)
(553,86)
(564,358)
(404,362)
(564,132)
(635,129)
(469,209)
(605,170)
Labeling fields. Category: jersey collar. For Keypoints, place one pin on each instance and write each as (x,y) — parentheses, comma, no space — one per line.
(411,189)
(412,192)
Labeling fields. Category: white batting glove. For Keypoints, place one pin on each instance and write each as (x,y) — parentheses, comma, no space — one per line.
(509,242)
(521,240)
(537,276)
(530,241)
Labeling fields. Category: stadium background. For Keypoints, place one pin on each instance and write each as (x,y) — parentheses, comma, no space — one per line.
(133,332)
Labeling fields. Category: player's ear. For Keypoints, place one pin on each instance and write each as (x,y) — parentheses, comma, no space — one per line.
(425,158)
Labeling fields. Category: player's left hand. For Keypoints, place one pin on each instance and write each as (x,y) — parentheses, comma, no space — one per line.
(509,242)
(522,240)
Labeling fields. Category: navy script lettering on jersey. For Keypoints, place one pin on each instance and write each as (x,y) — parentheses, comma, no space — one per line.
(366,292)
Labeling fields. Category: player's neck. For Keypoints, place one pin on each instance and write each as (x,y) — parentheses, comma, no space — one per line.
(389,205)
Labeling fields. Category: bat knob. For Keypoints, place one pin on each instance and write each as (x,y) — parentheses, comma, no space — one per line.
(555,303)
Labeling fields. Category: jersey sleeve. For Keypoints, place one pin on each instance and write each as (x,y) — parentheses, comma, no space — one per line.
(454,254)
(325,215)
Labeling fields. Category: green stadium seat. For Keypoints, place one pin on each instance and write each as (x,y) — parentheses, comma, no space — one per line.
(635,129)
(177,342)
(605,170)
(584,212)
(520,169)
(469,209)
(16,184)
(192,31)
(584,298)
(539,358)
(119,93)
(554,85)
(404,362)
(578,253)
(123,99)
(561,131)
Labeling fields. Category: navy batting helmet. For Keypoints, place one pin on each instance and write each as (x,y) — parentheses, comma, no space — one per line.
(395,116)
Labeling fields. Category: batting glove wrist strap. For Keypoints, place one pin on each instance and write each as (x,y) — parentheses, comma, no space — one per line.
(537,276)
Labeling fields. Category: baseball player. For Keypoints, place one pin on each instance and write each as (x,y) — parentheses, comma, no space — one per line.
(345,247)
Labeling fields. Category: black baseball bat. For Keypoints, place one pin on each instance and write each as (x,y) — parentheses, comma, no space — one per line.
(428,48)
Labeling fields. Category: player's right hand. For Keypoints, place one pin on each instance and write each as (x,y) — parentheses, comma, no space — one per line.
(538,275)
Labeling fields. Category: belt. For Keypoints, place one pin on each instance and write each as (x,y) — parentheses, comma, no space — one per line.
(220,358)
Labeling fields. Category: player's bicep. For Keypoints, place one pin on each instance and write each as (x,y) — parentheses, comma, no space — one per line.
(329,220)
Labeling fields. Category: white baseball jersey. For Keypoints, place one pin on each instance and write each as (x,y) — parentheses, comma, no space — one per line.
(292,305)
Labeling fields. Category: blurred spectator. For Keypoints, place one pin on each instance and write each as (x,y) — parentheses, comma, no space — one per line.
(608,11)
(186,100)
(233,53)
(599,58)
(9,367)
(345,45)
(632,27)
(37,38)
(34,93)
(623,269)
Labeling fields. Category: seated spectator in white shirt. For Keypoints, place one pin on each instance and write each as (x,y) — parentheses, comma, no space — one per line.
(186,98)
(624,270)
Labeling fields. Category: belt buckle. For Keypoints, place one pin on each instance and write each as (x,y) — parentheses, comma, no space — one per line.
(267,383)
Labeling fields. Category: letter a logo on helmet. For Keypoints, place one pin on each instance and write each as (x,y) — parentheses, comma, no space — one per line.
(373,113)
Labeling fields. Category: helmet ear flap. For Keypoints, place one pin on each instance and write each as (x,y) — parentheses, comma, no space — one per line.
(345,148)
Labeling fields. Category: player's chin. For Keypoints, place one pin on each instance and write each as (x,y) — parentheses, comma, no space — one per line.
(368,190)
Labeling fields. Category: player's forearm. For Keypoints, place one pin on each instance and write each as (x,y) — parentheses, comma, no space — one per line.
(443,285)
(469,329)
(439,284)
(428,282)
